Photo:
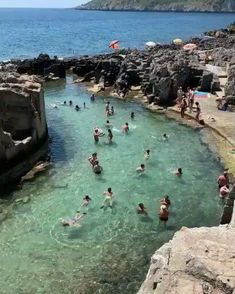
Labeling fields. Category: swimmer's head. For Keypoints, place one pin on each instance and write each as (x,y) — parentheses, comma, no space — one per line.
(94,154)
(96,162)
(107,121)
(141,205)
(109,190)
(180,170)
(147,151)
(87,198)
(126,124)
(142,165)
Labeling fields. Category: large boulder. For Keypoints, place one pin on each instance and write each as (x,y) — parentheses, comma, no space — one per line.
(230,86)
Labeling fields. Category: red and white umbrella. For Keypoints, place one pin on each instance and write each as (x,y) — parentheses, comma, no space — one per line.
(114,44)
(190,46)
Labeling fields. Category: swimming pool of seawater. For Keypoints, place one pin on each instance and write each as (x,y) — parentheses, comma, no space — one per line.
(110,252)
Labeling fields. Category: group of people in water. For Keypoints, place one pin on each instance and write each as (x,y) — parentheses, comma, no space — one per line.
(163,213)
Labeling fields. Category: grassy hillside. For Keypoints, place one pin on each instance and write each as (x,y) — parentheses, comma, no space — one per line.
(178,5)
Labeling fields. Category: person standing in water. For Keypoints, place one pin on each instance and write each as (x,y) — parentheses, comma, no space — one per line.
(97,134)
(112,111)
(125,128)
(163,214)
(93,158)
(132,115)
(110,136)
(108,200)
(165,201)
(70,103)
(223,180)
(108,124)
(77,108)
(92,98)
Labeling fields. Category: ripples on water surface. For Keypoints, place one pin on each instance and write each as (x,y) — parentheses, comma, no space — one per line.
(28,32)
(110,253)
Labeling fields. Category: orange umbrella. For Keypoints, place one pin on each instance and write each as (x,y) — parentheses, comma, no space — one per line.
(190,46)
(113,43)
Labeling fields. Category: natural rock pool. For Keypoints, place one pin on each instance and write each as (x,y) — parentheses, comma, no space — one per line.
(111,251)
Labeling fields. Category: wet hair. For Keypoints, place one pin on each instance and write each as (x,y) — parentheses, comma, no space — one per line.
(107,121)
(126,124)
(96,130)
(70,102)
(180,170)
(164,135)
(141,205)
(65,102)
(166,197)
(142,165)
(109,189)
(87,197)
(94,154)
(148,151)
(96,162)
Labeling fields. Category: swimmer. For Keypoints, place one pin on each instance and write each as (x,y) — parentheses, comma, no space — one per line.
(112,111)
(163,214)
(86,201)
(70,103)
(84,105)
(132,115)
(147,154)
(73,221)
(108,124)
(141,168)
(92,98)
(110,136)
(141,209)
(165,201)
(107,106)
(77,108)
(224,191)
(108,200)
(97,169)
(93,158)
(165,137)
(179,172)
(125,128)
(64,103)
(96,135)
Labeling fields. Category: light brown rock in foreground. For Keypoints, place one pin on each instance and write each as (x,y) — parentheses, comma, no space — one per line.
(197,260)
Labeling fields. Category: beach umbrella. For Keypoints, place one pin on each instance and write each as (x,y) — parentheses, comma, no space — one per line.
(114,44)
(190,46)
(178,42)
(150,44)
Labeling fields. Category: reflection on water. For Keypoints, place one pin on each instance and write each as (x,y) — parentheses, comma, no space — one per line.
(111,250)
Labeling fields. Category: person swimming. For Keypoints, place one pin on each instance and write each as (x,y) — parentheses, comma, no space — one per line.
(72,222)
(108,200)
(125,128)
(86,201)
(110,136)
(112,111)
(132,115)
(179,172)
(92,98)
(165,137)
(93,158)
(108,124)
(70,102)
(141,168)
(141,209)
(97,169)
(147,154)
(77,108)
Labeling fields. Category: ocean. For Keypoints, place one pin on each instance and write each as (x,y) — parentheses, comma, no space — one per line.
(65,32)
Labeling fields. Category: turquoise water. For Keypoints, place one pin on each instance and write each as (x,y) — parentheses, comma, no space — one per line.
(110,252)
(28,32)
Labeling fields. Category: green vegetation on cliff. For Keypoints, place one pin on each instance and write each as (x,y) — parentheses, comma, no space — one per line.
(161,5)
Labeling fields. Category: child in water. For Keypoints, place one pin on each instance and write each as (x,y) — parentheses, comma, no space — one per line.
(141,168)
(125,128)
(141,209)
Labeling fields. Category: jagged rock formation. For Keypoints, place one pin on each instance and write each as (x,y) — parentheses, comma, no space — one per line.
(161,5)
(159,72)
(195,261)
(23,127)
(44,66)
